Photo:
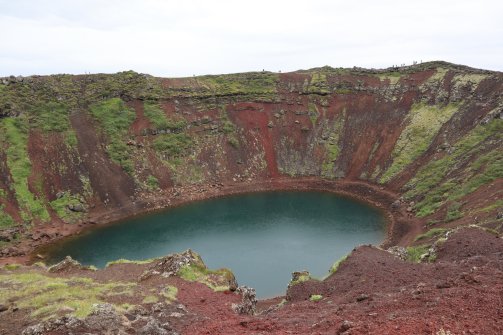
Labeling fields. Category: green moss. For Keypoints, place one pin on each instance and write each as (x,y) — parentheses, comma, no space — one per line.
(152,183)
(5,219)
(51,117)
(170,292)
(11,267)
(431,233)
(319,83)
(332,148)
(393,77)
(158,117)
(150,299)
(300,279)
(315,297)
(14,132)
(336,265)
(252,83)
(173,145)
(453,212)
(423,124)
(127,261)
(45,296)
(414,253)
(497,204)
(60,206)
(233,141)
(428,180)
(217,280)
(114,119)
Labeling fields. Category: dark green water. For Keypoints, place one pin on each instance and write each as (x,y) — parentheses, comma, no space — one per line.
(261,237)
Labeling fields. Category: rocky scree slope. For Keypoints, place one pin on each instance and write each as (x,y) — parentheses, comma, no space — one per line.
(80,149)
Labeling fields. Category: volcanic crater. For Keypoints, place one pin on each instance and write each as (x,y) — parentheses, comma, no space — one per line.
(422,142)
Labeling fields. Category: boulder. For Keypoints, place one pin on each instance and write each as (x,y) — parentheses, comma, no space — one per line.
(67,265)
(248,301)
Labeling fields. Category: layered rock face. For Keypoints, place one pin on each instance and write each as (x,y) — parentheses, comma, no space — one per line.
(74,147)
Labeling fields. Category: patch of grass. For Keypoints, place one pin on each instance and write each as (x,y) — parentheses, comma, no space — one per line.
(464,79)
(493,206)
(158,117)
(428,180)
(5,219)
(11,267)
(150,299)
(15,134)
(300,279)
(315,297)
(319,83)
(217,280)
(423,124)
(170,292)
(60,206)
(453,212)
(233,141)
(431,233)
(335,266)
(173,145)
(45,295)
(332,147)
(52,117)
(414,253)
(127,261)
(393,77)
(256,83)
(114,119)
(152,183)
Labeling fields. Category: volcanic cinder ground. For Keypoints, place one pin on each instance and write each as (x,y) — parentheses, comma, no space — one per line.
(423,142)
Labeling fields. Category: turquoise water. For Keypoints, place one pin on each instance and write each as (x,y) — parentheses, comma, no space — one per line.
(261,237)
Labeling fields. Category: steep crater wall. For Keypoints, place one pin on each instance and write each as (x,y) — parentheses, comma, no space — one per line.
(90,148)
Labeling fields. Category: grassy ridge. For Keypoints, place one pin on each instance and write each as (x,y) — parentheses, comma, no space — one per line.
(433,180)
(423,124)
(115,118)
(15,135)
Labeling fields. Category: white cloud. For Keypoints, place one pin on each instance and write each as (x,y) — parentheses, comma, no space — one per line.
(174,38)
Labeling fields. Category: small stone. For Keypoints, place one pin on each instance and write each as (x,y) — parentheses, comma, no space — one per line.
(362,297)
(345,326)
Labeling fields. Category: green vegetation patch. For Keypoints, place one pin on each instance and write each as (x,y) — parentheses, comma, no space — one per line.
(14,132)
(453,212)
(319,83)
(262,83)
(127,261)
(158,117)
(424,122)
(300,279)
(315,297)
(52,116)
(61,207)
(428,180)
(173,145)
(152,183)
(335,266)
(332,148)
(47,296)
(5,219)
(114,119)
(393,77)
(431,233)
(170,292)
(414,254)
(217,280)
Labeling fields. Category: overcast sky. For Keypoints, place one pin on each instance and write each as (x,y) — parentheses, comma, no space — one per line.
(184,37)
